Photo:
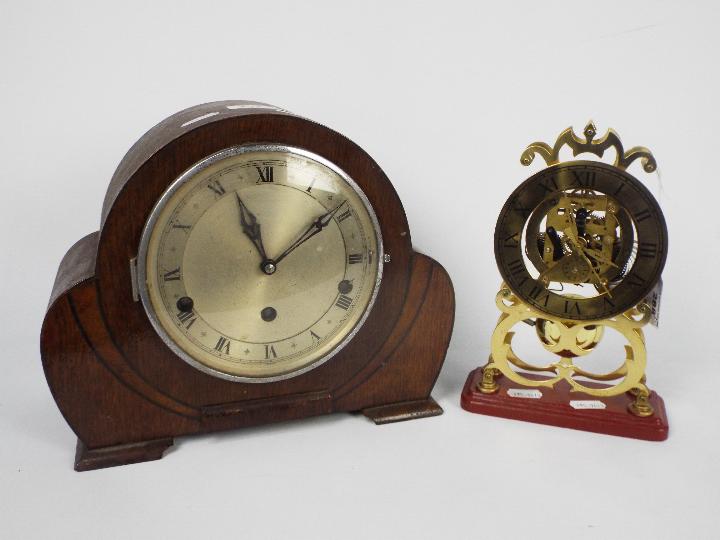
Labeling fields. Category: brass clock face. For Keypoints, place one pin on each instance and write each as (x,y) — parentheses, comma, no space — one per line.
(581,241)
(260,263)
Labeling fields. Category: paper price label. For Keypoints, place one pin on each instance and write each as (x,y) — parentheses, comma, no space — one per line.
(653,300)
(524,393)
(587,404)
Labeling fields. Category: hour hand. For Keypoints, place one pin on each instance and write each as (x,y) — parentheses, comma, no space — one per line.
(250,226)
(581,251)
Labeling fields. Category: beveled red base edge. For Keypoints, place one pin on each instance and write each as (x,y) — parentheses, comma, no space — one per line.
(554,409)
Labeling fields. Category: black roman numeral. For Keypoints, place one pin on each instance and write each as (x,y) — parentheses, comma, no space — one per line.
(355,258)
(223,345)
(585,179)
(187,318)
(619,189)
(216,187)
(172,275)
(635,281)
(314,336)
(539,294)
(343,301)
(342,217)
(524,211)
(607,301)
(265,174)
(512,241)
(642,216)
(549,184)
(178,226)
(516,267)
(647,249)
(270,352)
(572,307)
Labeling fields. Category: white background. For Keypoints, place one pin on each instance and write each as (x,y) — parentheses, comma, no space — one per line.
(444,95)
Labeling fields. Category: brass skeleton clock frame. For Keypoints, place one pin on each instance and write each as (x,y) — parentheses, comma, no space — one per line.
(580,246)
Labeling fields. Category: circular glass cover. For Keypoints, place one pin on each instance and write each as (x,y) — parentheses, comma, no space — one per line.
(260,262)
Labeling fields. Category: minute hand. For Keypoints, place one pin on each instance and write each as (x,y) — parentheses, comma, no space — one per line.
(315,227)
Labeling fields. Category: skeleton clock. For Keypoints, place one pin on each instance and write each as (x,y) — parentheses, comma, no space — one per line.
(580,246)
(252,266)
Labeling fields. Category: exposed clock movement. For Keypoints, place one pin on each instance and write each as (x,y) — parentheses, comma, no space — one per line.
(580,246)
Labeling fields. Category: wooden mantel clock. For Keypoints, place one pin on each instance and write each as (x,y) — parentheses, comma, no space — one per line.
(251,266)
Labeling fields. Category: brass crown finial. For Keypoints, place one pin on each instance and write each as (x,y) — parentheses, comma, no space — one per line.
(551,155)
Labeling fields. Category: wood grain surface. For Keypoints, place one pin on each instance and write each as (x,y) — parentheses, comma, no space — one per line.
(121,389)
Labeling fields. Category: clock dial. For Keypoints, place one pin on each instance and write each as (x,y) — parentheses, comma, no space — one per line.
(581,241)
(260,263)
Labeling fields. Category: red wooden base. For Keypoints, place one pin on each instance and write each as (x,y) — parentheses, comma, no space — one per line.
(554,409)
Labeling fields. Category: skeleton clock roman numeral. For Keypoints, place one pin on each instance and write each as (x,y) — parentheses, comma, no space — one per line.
(517,270)
(549,184)
(647,250)
(642,215)
(512,241)
(635,280)
(539,294)
(524,211)
(585,179)
(270,352)
(572,307)
(516,267)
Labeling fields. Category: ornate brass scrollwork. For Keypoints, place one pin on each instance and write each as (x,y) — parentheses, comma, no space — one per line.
(551,155)
(569,340)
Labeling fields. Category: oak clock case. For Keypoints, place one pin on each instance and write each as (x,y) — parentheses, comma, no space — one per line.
(580,246)
(252,266)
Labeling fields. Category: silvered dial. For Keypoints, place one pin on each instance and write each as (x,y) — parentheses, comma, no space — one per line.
(260,263)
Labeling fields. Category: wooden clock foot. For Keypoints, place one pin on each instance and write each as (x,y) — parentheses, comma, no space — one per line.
(122,454)
(406,410)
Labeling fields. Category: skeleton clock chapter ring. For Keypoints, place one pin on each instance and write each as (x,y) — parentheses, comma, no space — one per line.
(603,247)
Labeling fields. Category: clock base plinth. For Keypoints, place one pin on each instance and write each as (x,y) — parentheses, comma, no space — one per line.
(407,410)
(554,409)
(122,454)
